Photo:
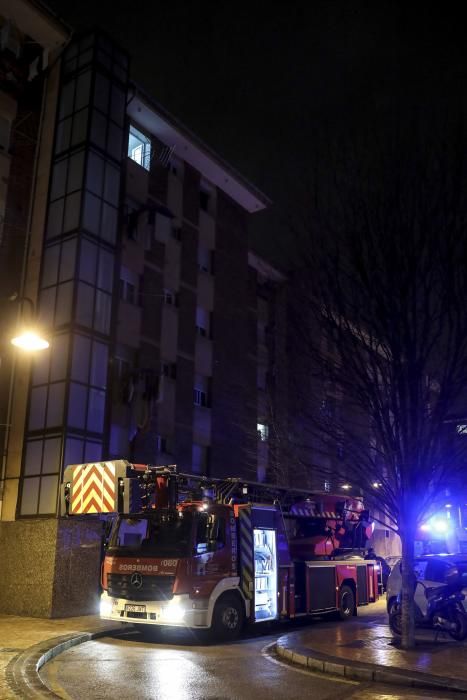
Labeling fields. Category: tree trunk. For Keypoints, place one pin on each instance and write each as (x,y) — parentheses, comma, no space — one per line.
(408,590)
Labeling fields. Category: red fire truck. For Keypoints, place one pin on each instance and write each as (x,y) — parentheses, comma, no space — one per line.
(213,554)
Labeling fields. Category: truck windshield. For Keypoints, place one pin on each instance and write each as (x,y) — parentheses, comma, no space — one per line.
(165,534)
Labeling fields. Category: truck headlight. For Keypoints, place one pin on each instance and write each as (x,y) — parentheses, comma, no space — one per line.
(174,612)
(106,607)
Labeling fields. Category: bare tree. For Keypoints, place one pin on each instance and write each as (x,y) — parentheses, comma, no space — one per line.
(379,342)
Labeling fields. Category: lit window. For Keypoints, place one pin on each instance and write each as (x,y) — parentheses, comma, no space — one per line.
(263,431)
(462,429)
(139,148)
(327,486)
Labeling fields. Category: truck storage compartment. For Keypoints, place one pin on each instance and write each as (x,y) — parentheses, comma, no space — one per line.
(321,587)
(362,583)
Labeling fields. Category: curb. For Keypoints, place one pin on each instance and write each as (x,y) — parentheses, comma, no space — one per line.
(22,672)
(360,671)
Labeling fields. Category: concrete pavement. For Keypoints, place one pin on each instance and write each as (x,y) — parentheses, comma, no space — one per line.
(363,649)
(26,643)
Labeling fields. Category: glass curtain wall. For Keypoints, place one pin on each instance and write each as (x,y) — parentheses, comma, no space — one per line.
(66,415)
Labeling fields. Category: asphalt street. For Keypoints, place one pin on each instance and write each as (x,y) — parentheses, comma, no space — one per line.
(175,666)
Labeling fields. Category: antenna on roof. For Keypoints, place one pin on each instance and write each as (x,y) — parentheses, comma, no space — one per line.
(163,154)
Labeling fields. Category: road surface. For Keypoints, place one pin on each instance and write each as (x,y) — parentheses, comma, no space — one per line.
(175,666)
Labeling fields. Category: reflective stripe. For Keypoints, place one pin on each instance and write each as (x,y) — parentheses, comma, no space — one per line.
(311,512)
(93,488)
(246,552)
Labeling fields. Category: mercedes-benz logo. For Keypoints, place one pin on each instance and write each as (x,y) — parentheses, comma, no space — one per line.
(136,580)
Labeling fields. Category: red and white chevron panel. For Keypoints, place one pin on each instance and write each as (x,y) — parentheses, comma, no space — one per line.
(93,488)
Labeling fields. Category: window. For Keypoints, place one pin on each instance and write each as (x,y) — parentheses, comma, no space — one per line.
(210,533)
(123,385)
(127,292)
(170,297)
(121,367)
(132,214)
(204,199)
(160,225)
(200,397)
(201,391)
(177,233)
(204,259)
(200,458)
(139,148)
(436,571)
(128,286)
(176,167)
(169,369)
(203,319)
(161,443)
(263,431)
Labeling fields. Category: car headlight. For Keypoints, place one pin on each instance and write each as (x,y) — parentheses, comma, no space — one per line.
(174,612)
(106,607)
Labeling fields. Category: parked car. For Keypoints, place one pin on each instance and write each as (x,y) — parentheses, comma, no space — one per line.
(432,571)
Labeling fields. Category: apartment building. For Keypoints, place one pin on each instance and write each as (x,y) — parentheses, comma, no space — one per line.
(124,239)
(182,390)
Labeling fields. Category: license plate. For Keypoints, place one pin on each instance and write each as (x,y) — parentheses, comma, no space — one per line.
(135,608)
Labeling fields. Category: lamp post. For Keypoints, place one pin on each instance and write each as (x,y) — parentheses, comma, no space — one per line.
(28,339)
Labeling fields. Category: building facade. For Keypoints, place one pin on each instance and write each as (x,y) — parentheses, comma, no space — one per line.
(128,237)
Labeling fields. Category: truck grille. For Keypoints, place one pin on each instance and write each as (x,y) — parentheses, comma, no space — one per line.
(153,587)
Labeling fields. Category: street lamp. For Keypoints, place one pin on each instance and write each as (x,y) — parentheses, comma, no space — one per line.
(29,340)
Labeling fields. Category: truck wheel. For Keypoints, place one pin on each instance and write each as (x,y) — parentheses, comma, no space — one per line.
(228,618)
(346,603)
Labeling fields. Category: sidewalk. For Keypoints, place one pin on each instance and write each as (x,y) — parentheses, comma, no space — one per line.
(362,649)
(27,642)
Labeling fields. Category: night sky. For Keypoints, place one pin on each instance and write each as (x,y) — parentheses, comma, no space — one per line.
(259,84)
